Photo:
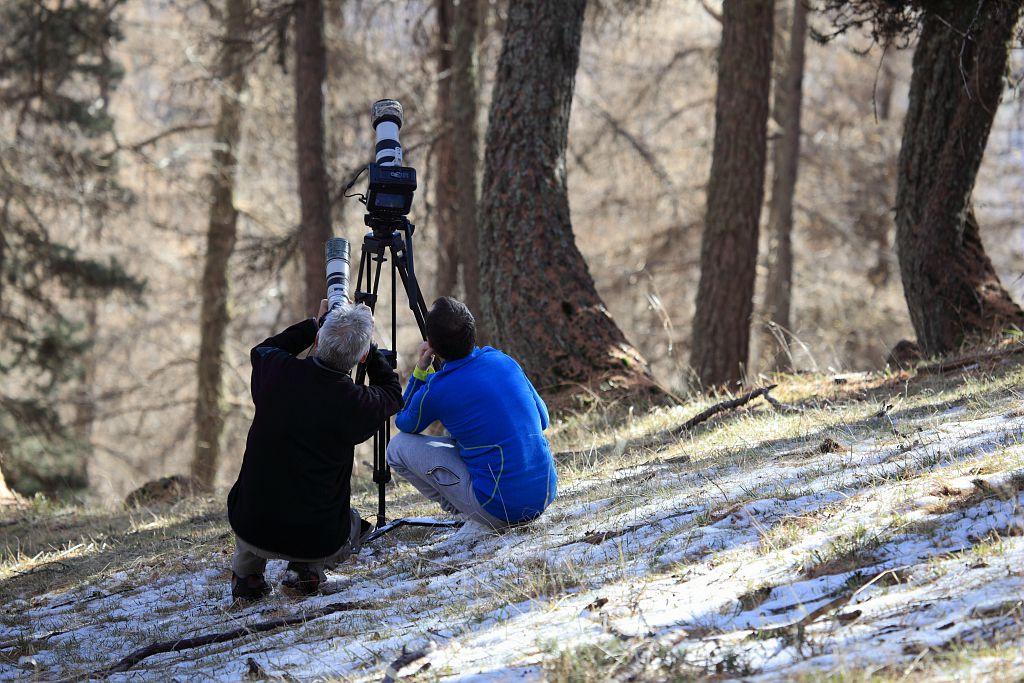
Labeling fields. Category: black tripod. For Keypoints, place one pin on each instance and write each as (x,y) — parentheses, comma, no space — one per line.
(390,236)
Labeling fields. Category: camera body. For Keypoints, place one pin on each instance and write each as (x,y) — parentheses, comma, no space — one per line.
(390,190)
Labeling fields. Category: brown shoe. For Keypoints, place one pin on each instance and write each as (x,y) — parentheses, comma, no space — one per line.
(248,588)
(302,579)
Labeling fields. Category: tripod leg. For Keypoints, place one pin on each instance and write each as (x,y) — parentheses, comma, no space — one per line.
(381,470)
(371,262)
(412,290)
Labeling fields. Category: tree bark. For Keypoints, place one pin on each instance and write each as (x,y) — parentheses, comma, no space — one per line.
(536,290)
(786,110)
(447,202)
(951,288)
(6,495)
(220,242)
(464,126)
(310,74)
(721,327)
(457,154)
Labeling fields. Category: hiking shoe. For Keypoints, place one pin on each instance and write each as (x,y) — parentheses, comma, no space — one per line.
(249,588)
(365,528)
(302,579)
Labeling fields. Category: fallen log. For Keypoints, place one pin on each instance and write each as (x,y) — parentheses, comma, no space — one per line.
(180,644)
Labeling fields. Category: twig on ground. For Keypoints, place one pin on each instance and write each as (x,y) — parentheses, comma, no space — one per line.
(780,406)
(407,658)
(731,404)
(165,646)
(810,617)
(99,595)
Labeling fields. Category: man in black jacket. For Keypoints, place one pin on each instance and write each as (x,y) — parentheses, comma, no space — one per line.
(291,499)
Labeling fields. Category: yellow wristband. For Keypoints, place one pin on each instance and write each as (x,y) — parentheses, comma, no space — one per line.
(422,375)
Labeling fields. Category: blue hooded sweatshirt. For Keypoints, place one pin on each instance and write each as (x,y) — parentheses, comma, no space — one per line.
(497,419)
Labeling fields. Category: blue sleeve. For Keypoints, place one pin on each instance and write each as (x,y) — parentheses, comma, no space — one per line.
(419,411)
(542,409)
(545,419)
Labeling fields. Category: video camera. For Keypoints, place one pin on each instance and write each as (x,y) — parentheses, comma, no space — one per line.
(391,185)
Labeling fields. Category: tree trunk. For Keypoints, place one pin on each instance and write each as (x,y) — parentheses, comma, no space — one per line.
(85,398)
(789,75)
(447,202)
(310,73)
(464,125)
(220,242)
(951,288)
(457,154)
(721,327)
(537,293)
(6,494)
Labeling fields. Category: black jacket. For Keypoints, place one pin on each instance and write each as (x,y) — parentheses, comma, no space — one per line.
(292,493)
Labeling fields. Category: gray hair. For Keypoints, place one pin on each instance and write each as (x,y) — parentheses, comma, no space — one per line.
(345,336)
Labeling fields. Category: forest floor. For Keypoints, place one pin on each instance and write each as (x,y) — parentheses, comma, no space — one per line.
(874,530)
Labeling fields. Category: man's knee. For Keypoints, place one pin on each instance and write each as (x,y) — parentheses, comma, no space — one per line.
(398,447)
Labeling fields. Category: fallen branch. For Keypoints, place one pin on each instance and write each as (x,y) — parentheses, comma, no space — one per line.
(799,625)
(962,362)
(832,605)
(780,406)
(166,646)
(731,404)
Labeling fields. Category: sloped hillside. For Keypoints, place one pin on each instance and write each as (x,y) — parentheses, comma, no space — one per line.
(867,526)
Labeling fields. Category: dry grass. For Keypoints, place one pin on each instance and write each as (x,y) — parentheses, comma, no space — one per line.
(53,548)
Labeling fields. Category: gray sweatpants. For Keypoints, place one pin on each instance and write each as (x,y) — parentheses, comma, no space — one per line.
(433,465)
(249,559)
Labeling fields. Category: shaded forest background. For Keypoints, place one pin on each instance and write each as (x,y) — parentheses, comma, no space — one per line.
(638,161)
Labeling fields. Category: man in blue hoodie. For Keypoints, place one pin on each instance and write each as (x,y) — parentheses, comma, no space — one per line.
(497,468)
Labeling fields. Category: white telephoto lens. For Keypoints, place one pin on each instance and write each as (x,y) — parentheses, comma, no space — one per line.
(389,149)
(337,256)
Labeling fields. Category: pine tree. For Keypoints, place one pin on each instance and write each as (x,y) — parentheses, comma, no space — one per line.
(314,183)
(538,297)
(55,75)
(786,108)
(232,60)
(721,326)
(458,149)
(952,290)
